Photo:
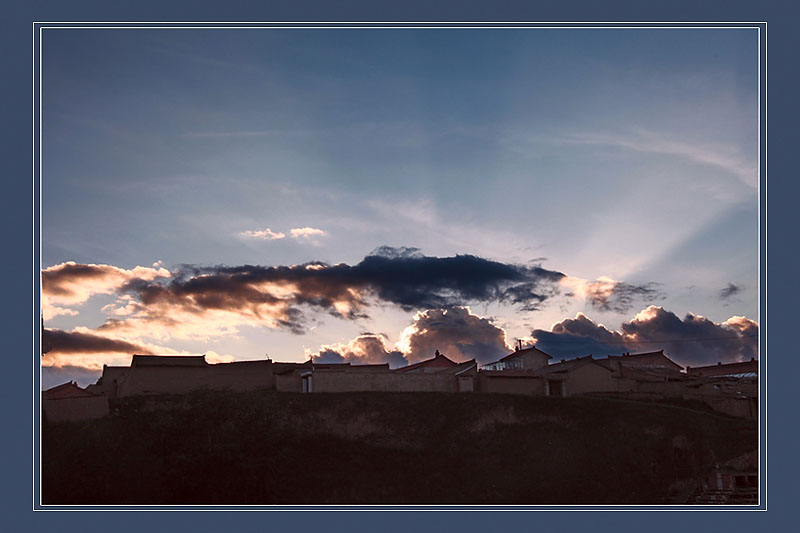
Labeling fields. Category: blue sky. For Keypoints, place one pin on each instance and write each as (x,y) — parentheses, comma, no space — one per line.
(628,156)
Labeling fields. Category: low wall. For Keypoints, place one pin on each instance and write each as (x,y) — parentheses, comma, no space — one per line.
(740,407)
(674,389)
(386,382)
(74,409)
(530,386)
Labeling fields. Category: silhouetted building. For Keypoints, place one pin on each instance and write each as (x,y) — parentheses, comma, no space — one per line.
(521,359)
(742,369)
(68,403)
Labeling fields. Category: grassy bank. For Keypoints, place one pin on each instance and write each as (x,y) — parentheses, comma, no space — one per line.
(266,447)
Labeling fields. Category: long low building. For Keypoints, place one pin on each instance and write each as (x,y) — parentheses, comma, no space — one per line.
(162,374)
(731,388)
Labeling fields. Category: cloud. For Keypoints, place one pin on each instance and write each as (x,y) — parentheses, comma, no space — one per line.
(265,234)
(729,291)
(606,294)
(49,311)
(71,283)
(573,337)
(90,350)
(305,233)
(455,332)
(203,302)
(296,233)
(693,340)
(56,341)
(726,157)
(56,375)
(367,348)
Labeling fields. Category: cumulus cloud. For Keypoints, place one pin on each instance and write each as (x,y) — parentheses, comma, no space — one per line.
(203,302)
(50,311)
(693,340)
(729,291)
(265,234)
(367,348)
(607,294)
(305,233)
(455,332)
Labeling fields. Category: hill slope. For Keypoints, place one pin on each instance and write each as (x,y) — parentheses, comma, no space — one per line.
(425,448)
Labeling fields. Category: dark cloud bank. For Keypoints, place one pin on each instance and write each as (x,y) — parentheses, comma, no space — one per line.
(438,287)
(56,341)
(400,276)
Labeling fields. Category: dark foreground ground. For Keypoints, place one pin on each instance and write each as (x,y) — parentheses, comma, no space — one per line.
(389,448)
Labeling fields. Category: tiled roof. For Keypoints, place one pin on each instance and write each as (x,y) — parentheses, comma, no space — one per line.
(653,359)
(643,373)
(511,373)
(66,390)
(568,365)
(438,361)
(724,369)
(517,353)
(169,360)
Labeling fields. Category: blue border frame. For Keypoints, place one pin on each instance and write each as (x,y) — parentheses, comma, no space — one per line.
(17,133)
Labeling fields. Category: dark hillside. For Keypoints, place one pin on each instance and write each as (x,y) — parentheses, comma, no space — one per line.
(426,448)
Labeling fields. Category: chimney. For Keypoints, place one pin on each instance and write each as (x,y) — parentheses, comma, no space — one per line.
(719,363)
(438,354)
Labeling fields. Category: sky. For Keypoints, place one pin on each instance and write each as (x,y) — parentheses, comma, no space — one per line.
(374,195)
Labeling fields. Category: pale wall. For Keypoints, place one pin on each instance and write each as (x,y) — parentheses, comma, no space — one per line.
(590,378)
(179,380)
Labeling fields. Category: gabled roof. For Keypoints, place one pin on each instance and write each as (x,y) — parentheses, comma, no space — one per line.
(720,369)
(649,359)
(462,368)
(525,351)
(643,373)
(67,390)
(169,360)
(280,369)
(569,365)
(511,373)
(439,361)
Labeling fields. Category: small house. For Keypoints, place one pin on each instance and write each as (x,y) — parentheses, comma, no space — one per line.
(68,403)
